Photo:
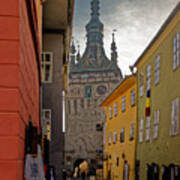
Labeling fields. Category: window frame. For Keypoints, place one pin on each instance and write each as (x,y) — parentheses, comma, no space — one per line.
(114,137)
(148,128)
(148,77)
(110,112)
(109,138)
(91,91)
(157,70)
(133,98)
(123,104)
(115,109)
(132,132)
(122,135)
(141,84)
(156,124)
(141,130)
(75,104)
(176,51)
(69,106)
(43,66)
(174,127)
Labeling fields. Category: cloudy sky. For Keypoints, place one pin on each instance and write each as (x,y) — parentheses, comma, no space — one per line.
(136,22)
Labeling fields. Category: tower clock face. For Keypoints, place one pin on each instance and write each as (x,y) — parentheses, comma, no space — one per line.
(101,89)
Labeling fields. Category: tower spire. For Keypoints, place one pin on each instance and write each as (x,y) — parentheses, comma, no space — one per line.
(78,56)
(73,53)
(95,8)
(113,48)
(73,48)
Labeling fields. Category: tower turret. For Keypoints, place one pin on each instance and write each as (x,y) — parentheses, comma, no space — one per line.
(95,27)
(78,56)
(114,54)
(72,54)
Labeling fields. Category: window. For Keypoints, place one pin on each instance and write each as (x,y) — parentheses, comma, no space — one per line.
(88,103)
(156,124)
(141,127)
(69,106)
(115,109)
(88,91)
(109,141)
(123,102)
(175,117)
(148,77)
(141,85)
(117,161)
(47,63)
(157,70)
(115,137)
(110,112)
(148,126)
(99,127)
(82,103)
(176,51)
(75,106)
(104,132)
(133,97)
(46,121)
(122,135)
(131,132)
(126,171)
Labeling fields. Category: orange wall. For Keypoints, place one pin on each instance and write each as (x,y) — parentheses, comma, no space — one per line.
(19,86)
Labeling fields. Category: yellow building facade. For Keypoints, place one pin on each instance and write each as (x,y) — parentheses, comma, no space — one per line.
(120,131)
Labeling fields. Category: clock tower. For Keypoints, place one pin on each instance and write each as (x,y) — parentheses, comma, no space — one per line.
(91,77)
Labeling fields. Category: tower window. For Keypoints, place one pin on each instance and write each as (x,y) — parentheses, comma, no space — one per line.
(69,106)
(75,106)
(82,103)
(88,91)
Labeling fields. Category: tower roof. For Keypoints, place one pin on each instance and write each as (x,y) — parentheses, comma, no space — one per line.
(94,57)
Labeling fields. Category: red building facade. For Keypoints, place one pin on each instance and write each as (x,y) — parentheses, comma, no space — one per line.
(19,81)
